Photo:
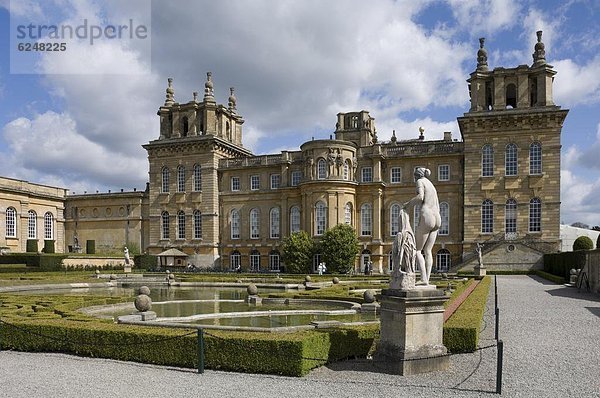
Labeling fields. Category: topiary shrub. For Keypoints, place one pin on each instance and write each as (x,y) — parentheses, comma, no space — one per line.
(32,246)
(90,246)
(583,243)
(49,246)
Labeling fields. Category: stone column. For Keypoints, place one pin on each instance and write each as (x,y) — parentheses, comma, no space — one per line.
(412,324)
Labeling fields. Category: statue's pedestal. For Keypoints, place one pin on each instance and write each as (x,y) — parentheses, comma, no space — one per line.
(479,271)
(412,324)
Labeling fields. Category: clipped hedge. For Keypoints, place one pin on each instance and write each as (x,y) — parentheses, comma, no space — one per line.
(559,280)
(90,246)
(461,330)
(44,262)
(32,246)
(145,261)
(560,264)
(49,247)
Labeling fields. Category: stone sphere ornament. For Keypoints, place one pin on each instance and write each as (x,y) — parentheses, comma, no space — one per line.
(369,296)
(143,303)
(144,290)
(252,289)
(112,277)
(307,278)
(335,280)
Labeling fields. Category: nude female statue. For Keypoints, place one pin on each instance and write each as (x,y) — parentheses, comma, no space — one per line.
(429,221)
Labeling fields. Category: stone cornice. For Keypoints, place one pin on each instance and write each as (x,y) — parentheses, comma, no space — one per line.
(512,120)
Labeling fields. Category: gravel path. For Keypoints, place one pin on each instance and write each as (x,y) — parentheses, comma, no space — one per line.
(552,345)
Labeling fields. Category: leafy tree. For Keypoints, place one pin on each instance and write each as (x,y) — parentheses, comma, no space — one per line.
(297,251)
(583,243)
(578,224)
(339,247)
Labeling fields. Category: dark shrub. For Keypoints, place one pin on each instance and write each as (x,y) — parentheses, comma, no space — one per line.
(32,246)
(90,246)
(49,247)
(583,243)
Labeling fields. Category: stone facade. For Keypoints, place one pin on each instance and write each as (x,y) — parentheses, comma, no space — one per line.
(211,198)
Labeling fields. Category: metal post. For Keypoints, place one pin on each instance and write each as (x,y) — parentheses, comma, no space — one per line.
(200,350)
(497,322)
(495,291)
(499,367)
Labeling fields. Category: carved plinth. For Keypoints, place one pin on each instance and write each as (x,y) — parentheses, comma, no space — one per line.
(479,271)
(412,324)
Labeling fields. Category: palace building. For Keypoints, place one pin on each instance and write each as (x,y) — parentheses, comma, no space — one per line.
(212,200)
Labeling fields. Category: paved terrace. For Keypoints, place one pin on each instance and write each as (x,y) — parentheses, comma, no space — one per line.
(551,339)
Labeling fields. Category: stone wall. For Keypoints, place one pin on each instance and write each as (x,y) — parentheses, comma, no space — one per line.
(94,262)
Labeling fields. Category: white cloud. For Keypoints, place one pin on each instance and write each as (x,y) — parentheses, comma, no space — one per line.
(485,17)
(577,84)
(579,199)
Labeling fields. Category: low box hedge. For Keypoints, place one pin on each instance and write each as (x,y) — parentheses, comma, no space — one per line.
(461,330)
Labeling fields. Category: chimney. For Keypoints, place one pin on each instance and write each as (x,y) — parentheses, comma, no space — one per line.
(447,135)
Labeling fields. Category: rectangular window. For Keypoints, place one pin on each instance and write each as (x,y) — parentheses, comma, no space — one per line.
(443,172)
(254,183)
(275,181)
(235,184)
(396,175)
(367,174)
(274,262)
(296,177)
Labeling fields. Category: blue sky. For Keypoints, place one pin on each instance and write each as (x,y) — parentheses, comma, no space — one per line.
(295,64)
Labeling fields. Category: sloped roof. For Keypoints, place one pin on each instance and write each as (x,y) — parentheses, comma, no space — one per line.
(172,253)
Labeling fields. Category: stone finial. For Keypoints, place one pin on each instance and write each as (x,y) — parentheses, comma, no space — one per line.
(421,135)
(394,139)
(232,100)
(170,97)
(482,56)
(209,94)
(539,53)
(195,96)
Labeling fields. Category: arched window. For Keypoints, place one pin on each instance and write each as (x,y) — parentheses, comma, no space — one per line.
(510,160)
(487,160)
(235,224)
(294,219)
(366,219)
(394,219)
(31,225)
(274,221)
(164,217)
(445,215)
(197,224)
(535,215)
(197,178)
(511,95)
(184,126)
(321,169)
(487,217)
(235,260)
(442,260)
(320,218)
(254,260)
(165,179)
(346,171)
(535,158)
(11,222)
(180,225)
(180,179)
(254,224)
(348,213)
(274,261)
(48,226)
(390,262)
(510,216)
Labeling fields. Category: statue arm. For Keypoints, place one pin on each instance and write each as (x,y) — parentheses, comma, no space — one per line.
(418,199)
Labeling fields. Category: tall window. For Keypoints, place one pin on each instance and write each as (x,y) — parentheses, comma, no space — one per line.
(510,160)
(235,224)
(180,225)
(394,219)
(164,218)
(235,183)
(535,158)
(165,179)
(48,226)
(296,178)
(197,224)
(275,181)
(443,172)
(510,216)
(197,178)
(274,261)
(320,218)
(274,221)
(445,215)
(180,179)
(367,174)
(235,260)
(348,213)
(11,222)
(487,160)
(396,175)
(487,217)
(254,224)
(321,169)
(184,126)
(442,258)
(366,219)
(31,225)
(255,260)
(346,170)
(294,219)
(535,215)
(254,182)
